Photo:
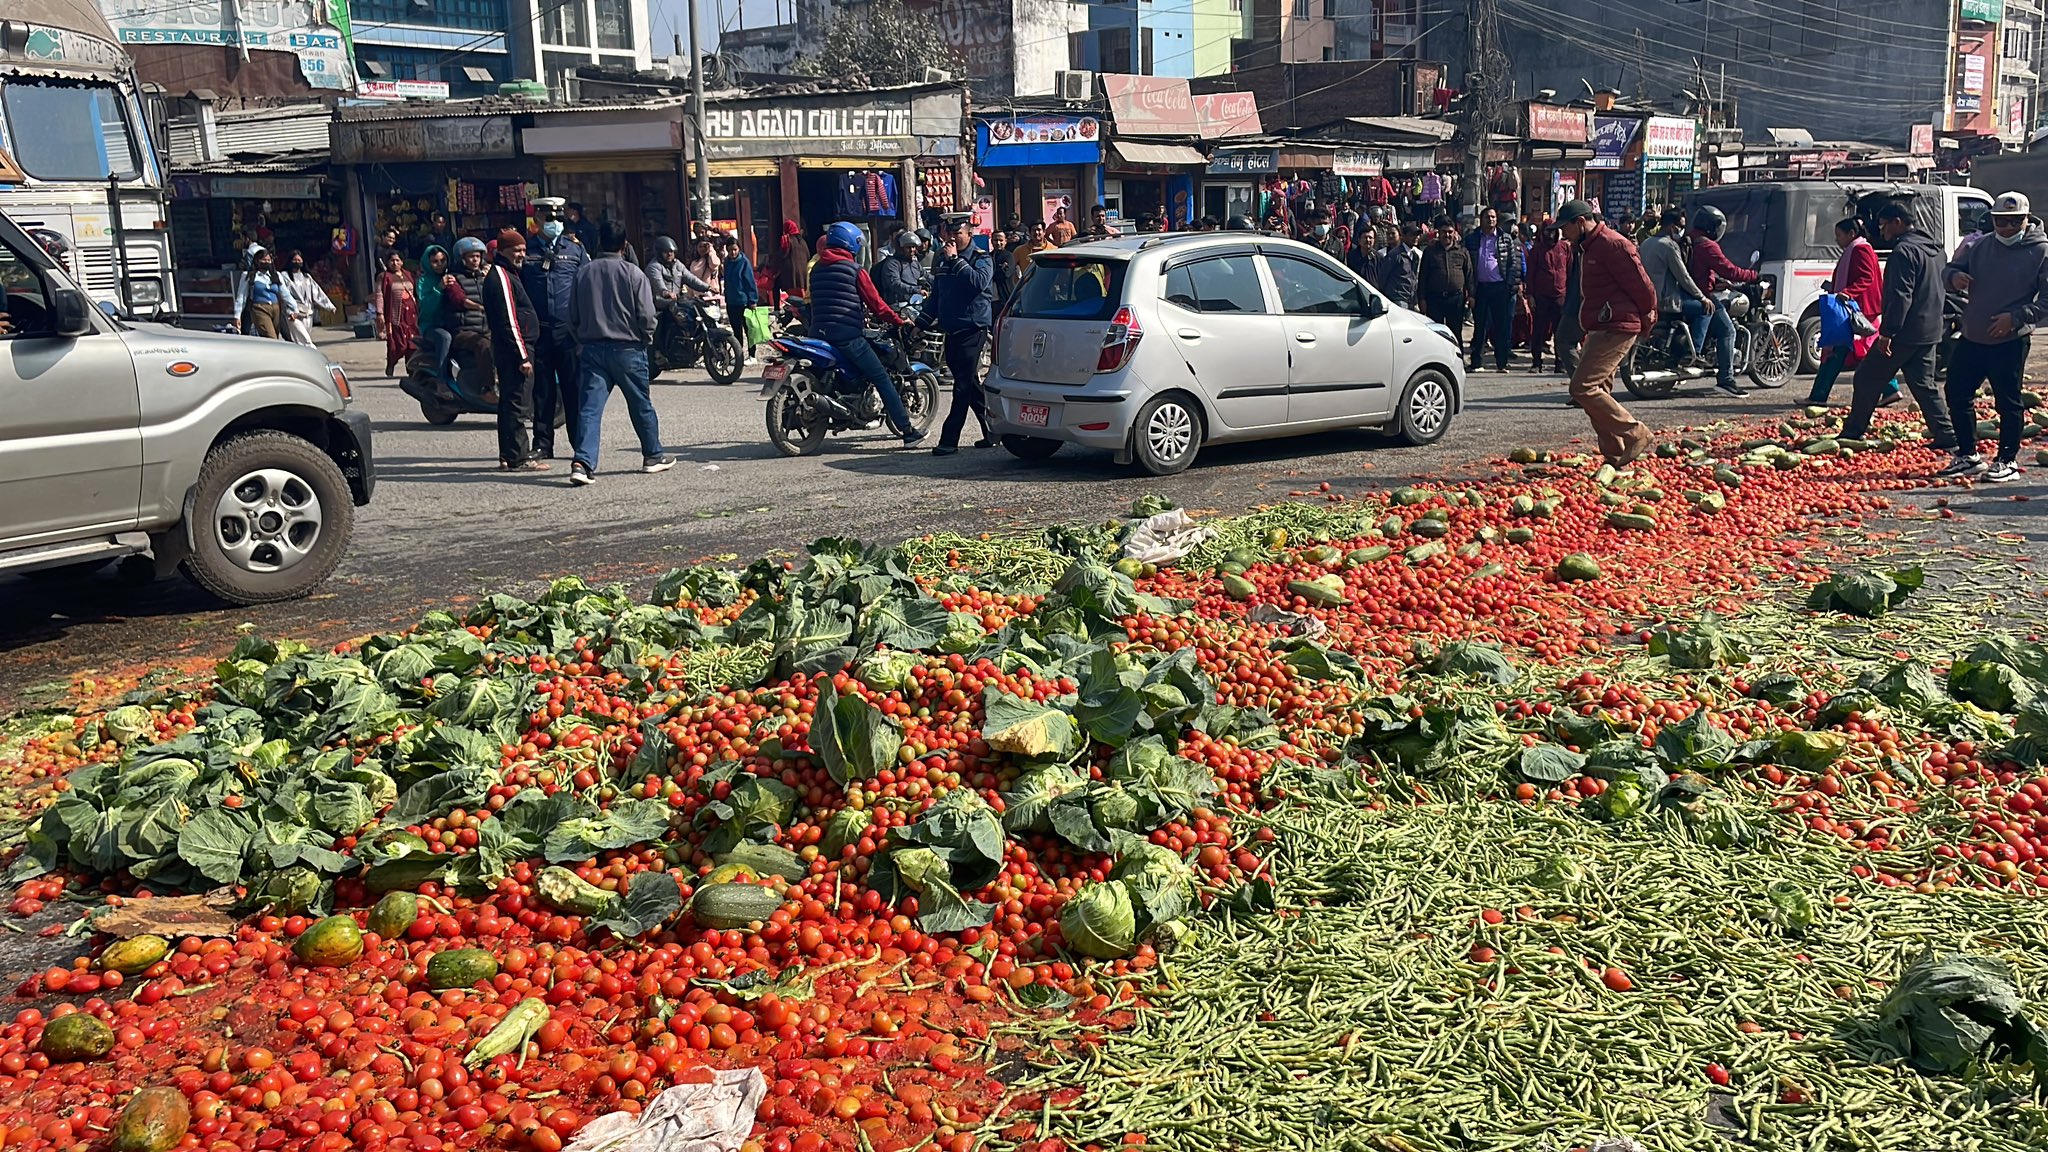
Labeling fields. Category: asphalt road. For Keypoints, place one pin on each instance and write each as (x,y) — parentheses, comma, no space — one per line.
(445,524)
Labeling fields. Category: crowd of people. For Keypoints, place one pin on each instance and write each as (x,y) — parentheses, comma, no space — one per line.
(570,311)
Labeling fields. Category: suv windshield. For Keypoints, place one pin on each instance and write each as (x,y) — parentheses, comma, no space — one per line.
(1070,288)
(68,131)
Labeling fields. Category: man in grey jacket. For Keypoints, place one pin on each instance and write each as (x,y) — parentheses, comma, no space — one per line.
(2006,276)
(1679,293)
(611,308)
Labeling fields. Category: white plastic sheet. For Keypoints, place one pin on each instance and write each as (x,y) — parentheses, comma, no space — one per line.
(1165,538)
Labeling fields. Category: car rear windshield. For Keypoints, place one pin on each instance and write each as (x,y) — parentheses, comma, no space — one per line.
(1070,288)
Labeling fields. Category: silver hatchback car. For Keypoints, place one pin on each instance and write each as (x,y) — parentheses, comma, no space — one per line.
(1152,346)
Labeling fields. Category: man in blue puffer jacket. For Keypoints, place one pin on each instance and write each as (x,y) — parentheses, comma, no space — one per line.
(841,298)
(553,257)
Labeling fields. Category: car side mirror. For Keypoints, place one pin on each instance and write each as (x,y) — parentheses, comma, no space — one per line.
(70,314)
(1374,307)
(1757,256)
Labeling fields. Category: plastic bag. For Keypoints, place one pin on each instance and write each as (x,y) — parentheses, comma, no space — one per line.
(1165,538)
(760,326)
(1838,321)
(714,1117)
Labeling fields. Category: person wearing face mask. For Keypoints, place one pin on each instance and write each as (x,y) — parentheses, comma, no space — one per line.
(307,299)
(2006,277)
(553,257)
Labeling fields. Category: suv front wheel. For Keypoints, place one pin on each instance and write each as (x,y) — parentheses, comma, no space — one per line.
(1167,434)
(272,516)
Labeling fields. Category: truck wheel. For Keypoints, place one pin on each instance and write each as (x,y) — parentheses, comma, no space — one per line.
(271,519)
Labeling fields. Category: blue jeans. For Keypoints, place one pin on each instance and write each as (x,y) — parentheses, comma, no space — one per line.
(609,364)
(859,356)
(438,341)
(1720,325)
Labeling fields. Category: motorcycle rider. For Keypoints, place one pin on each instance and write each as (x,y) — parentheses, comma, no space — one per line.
(842,295)
(671,279)
(553,256)
(962,307)
(1712,270)
(898,276)
(462,309)
(1677,292)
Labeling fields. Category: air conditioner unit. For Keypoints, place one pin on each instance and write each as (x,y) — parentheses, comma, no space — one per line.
(1075,86)
(937,75)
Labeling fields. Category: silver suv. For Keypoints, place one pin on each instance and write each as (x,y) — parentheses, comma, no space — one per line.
(236,459)
(1152,346)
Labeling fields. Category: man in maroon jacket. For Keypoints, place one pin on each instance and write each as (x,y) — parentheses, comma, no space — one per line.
(1550,265)
(1617,304)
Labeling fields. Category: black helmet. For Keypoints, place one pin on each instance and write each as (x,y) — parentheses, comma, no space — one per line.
(663,244)
(1710,221)
(1239,223)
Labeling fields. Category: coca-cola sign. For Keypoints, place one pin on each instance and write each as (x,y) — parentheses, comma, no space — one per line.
(1221,114)
(1150,105)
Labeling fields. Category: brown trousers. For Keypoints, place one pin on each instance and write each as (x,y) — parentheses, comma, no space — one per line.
(264,320)
(1622,436)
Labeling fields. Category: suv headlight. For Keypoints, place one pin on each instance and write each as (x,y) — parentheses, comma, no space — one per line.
(145,292)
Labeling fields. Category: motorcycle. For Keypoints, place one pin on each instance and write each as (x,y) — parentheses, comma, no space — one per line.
(688,331)
(1766,347)
(811,392)
(471,385)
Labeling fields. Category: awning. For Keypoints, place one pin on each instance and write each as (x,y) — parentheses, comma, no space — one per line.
(1157,154)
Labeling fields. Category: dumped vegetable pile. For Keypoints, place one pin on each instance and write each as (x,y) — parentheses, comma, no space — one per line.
(1507,814)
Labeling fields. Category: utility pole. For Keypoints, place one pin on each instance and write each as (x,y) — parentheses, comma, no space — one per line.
(697,118)
(1486,78)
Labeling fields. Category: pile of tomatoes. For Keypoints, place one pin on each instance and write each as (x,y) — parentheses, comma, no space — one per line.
(872,1034)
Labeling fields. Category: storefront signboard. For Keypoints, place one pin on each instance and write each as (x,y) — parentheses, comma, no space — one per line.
(424,138)
(1613,136)
(403,90)
(1245,162)
(859,126)
(1987,11)
(1358,162)
(1559,124)
(1669,144)
(1223,114)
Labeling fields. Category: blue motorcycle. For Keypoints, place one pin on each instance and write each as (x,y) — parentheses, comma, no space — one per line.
(811,394)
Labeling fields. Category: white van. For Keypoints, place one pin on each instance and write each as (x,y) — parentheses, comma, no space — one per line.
(1786,231)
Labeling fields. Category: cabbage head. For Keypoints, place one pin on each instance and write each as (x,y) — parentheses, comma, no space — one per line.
(1624,799)
(290,891)
(1113,808)
(128,723)
(886,670)
(1100,921)
(964,634)
(1153,864)
(1027,806)
(918,867)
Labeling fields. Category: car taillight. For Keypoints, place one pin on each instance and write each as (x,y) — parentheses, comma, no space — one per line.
(1119,342)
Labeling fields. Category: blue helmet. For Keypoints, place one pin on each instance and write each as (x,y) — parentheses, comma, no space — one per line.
(843,235)
(466,245)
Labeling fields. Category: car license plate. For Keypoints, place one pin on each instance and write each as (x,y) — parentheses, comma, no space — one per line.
(1034,415)
(776,370)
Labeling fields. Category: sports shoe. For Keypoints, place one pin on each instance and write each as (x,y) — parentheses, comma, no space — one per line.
(2002,472)
(942,450)
(1964,465)
(580,476)
(530,464)
(1730,388)
(653,464)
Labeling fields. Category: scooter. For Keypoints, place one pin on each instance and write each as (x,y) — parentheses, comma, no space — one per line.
(693,330)
(1766,347)
(471,385)
(811,392)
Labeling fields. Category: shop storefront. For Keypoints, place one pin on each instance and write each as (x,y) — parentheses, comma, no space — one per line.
(1640,163)
(624,164)
(878,158)
(1031,163)
(1230,185)
(1556,146)
(401,167)
(215,215)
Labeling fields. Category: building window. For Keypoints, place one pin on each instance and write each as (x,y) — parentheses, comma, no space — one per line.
(2017,43)
(564,24)
(1301,9)
(557,67)
(615,24)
